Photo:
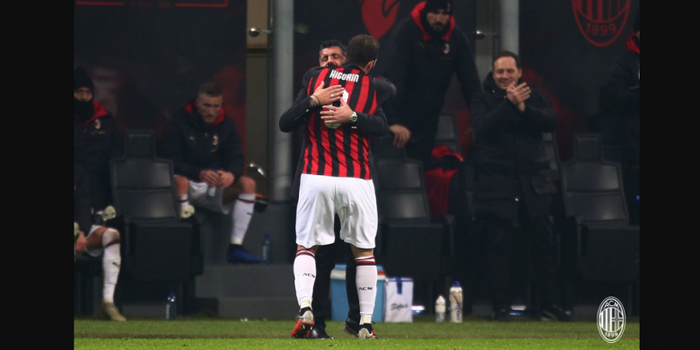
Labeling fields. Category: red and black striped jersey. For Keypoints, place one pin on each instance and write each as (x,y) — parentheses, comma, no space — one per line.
(342,152)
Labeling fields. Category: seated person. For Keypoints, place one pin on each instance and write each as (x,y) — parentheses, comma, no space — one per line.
(205,148)
(96,139)
(99,239)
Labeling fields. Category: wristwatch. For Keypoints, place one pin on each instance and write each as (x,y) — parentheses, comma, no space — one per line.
(353,118)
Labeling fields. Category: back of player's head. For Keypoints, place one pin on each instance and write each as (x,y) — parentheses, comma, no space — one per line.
(210,89)
(362,49)
(507,54)
(331,43)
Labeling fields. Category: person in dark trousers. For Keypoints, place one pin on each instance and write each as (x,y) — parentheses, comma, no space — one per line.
(96,139)
(207,156)
(513,181)
(425,51)
(621,98)
(97,240)
(336,177)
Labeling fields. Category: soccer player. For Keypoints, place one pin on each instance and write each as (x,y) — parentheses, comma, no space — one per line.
(336,177)
(100,240)
(332,53)
(96,139)
(208,159)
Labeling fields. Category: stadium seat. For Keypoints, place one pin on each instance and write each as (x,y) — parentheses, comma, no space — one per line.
(410,244)
(552,152)
(156,244)
(390,174)
(610,126)
(461,195)
(448,133)
(592,186)
(557,212)
(606,246)
(383,147)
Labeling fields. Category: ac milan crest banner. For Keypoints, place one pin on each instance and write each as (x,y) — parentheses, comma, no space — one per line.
(567,48)
(601,21)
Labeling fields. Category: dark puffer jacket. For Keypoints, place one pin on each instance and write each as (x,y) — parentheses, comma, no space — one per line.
(95,142)
(421,67)
(510,159)
(194,146)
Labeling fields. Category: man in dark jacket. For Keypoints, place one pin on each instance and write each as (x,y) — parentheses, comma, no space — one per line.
(208,159)
(620,98)
(513,180)
(96,240)
(96,139)
(426,50)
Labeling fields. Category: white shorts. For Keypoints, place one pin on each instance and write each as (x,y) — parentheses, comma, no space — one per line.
(94,252)
(198,197)
(353,199)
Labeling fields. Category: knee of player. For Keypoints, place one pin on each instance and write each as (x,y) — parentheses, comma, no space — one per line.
(110,235)
(181,181)
(302,248)
(247,184)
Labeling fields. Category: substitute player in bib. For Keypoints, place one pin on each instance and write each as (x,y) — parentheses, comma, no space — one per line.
(336,177)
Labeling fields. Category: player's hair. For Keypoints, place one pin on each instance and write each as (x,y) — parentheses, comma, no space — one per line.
(210,89)
(330,43)
(362,49)
(507,54)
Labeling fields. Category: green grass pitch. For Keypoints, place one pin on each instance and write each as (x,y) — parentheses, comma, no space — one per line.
(189,333)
